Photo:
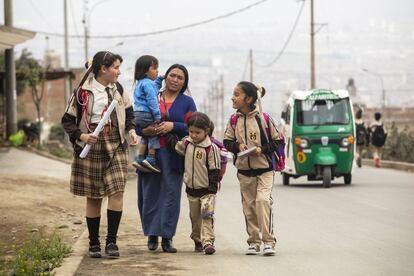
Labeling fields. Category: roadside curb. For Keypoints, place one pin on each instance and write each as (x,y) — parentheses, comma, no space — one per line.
(71,263)
(401,166)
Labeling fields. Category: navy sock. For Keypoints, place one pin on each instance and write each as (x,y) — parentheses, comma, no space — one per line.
(93,228)
(114,218)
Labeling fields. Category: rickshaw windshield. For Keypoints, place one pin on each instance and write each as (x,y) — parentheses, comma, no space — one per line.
(322,112)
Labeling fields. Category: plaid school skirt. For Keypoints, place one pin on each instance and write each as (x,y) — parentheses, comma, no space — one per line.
(103,171)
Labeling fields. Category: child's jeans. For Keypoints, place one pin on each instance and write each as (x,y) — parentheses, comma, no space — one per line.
(142,120)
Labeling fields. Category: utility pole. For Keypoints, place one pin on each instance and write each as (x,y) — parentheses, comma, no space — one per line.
(251,64)
(10,68)
(312,49)
(216,101)
(86,31)
(66,47)
(222,121)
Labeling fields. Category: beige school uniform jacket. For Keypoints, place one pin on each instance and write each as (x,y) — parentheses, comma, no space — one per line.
(248,131)
(201,171)
(124,113)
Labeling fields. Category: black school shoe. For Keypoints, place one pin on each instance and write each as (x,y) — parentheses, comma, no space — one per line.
(167,246)
(112,251)
(152,243)
(94,251)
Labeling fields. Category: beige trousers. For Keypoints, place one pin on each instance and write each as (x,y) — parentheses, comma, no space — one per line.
(202,218)
(376,152)
(257,204)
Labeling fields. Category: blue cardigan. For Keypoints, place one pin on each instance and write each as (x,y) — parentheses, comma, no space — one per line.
(180,108)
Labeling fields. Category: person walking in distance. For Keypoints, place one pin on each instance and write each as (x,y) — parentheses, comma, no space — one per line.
(362,136)
(378,133)
(102,173)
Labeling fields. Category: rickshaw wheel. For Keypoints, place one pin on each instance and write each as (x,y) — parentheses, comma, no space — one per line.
(285,179)
(348,178)
(327,177)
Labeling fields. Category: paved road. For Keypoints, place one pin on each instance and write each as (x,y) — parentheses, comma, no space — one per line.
(362,229)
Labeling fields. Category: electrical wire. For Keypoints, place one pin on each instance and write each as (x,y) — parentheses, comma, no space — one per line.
(279,55)
(72,14)
(165,30)
(39,13)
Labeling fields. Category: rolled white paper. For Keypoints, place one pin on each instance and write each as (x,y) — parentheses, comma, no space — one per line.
(100,126)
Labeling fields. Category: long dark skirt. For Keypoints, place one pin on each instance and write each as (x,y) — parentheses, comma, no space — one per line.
(159,196)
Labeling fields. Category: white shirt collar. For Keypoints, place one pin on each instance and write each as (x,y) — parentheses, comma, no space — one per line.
(98,86)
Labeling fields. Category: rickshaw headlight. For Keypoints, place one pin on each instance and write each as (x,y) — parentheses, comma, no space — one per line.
(345,142)
(303,143)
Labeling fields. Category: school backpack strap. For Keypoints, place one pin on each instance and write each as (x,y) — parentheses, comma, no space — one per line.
(119,88)
(277,157)
(233,120)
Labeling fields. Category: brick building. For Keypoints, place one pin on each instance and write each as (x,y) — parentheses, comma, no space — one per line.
(53,102)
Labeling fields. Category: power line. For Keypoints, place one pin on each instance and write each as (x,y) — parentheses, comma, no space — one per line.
(39,13)
(74,21)
(287,40)
(165,30)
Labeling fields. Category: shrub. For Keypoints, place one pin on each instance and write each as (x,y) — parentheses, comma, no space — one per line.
(399,145)
(57,133)
(38,256)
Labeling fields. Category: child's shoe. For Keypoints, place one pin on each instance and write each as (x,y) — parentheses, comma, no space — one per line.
(268,250)
(151,164)
(209,249)
(94,251)
(138,161)
(198,246)
(112,251)
(254,249)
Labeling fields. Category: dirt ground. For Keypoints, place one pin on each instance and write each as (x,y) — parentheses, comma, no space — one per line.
(37,205)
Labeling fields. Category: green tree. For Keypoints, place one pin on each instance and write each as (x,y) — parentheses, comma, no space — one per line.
(399,145)
(33,75)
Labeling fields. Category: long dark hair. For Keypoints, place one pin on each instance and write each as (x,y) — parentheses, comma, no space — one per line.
(143,64)
(103,58)
(199,120)
(182,68)
(250,89)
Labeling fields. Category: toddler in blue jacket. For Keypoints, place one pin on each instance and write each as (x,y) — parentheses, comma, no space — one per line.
(146,111)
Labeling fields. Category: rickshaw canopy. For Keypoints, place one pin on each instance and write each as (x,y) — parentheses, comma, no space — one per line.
(318,94)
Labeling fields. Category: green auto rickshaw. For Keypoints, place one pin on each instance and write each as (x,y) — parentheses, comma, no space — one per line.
(320,136)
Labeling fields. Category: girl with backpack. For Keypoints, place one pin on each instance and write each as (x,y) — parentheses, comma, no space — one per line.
(102,173)
(247,130)
(201,177)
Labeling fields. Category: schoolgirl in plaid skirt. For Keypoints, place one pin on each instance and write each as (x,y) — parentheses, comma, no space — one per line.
(102,173)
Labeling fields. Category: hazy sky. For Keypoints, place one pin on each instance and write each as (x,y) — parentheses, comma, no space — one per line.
(264,28)
(129,16)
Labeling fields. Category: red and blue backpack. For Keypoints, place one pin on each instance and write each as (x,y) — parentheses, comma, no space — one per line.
(276,158)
